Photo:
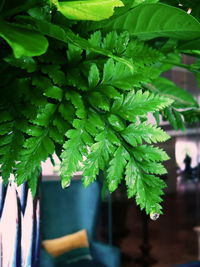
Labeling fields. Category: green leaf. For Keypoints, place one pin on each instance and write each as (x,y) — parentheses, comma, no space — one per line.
(54,72)
(149,153)
(149,192)
(116,42)
(156,115)
(74,53)
(108,71)
(78,103)
(71,155)
(76,79)
(169,115)
(109,91)
(27,63)
(67,111)
(131,176)
(93,77)
(24,42)
(34,130)
(150,21)
(96,99)
(36,149)
(89,9)
(180,96)
(118,75)
(95,39)
(41,82)
(34,181)
(134,134)
(94,124)
(56,135)
(117,123)
(191,115)
(44,115)
(153,167)
(146,188)
(97,158)
(12,149)
(54,92)
(142,54)
(113,138)
(67,36)
(139,103)
(189,45)
(74,149)
(180,121)
(60,124)
(116,168)
(6,128)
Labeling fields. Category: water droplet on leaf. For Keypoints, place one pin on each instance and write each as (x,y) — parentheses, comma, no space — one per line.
(65,184)
(154,216)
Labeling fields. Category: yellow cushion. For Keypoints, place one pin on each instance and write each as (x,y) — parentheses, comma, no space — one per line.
(61,245)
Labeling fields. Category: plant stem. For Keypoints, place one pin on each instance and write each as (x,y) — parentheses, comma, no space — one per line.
(181,65)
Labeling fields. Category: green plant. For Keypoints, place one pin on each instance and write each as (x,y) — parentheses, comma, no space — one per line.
(78,80)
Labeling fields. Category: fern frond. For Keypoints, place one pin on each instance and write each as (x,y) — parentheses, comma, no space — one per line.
(141,54)
(34,130)
(150,153)
(109,91)
(175,118)
(94,124)
(54,92)
(138,104)
(116,42)
(36,149)
(44,114)
(135,134)
(34,180)
(60,124)
(116,168)
(67,111)
(54,72)
(96,99)
(93,77)
(11,144)
(117,123)
(97,158)
(55,135)
(152,167)
(77,80)
(146,188)
(149,192)
(74,149)
(74,54)
(117,75)
(6,127)
(78,103)
(26,63)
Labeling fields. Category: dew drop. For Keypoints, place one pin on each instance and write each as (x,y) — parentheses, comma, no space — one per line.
(65,184)
(154,216)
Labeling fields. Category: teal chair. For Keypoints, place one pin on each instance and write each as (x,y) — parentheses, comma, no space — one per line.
(190,264)
(66,211)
